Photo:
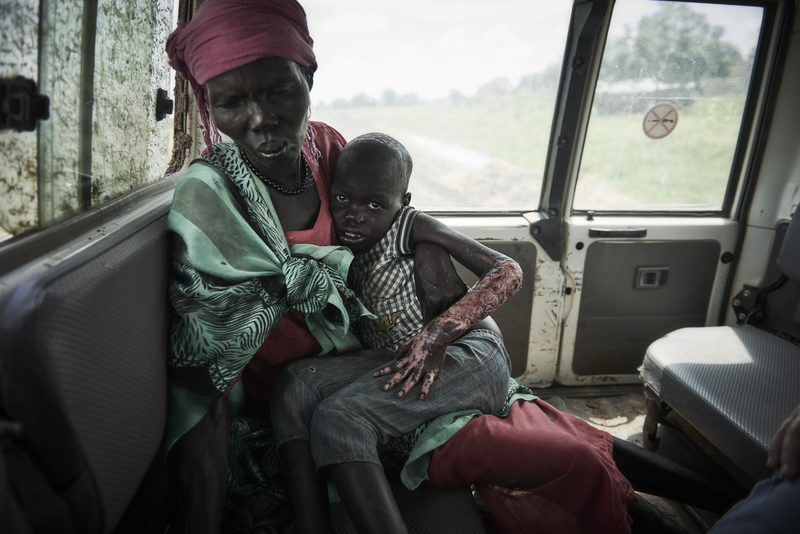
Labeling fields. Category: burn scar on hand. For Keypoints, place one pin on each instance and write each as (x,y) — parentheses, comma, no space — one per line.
(424,355)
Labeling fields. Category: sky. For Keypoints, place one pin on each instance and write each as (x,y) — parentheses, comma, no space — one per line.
(431,47)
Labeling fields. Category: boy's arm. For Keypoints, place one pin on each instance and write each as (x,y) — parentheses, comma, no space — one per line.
(500,278)
(437,282)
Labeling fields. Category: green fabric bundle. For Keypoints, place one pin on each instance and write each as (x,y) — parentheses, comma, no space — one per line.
(234,275)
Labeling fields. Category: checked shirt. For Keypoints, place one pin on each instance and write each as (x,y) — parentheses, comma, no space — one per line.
(383,278)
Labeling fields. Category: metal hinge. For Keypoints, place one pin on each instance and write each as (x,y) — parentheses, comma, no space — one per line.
(20,105)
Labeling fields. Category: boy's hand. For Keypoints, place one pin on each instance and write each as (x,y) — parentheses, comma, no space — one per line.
(422,357)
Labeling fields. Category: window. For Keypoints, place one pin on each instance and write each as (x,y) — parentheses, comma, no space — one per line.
(101,64)
(468,87)
(668,106)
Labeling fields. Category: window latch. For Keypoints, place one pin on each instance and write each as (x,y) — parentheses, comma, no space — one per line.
(164,105)
(20,105)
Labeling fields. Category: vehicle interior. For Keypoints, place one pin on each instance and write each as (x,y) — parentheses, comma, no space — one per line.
(639,159)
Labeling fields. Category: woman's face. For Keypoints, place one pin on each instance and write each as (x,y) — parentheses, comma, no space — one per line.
(263,107)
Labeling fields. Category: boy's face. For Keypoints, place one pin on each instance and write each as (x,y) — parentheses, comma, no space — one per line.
(366,196)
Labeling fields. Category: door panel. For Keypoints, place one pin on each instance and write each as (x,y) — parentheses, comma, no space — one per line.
(642,291)
(609,322)
(531,319)
(514,317)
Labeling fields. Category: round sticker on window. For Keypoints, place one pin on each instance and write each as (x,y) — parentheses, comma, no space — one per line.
(660,120)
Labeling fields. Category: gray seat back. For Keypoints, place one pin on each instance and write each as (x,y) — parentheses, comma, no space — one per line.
(83,368)
(789,257)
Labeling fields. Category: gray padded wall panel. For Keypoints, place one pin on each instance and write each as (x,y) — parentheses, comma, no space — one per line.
(104,327)
(617,321)
(789,258)
(782,305)
(514,316)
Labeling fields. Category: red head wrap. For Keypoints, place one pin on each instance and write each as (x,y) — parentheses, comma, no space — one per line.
(226,34)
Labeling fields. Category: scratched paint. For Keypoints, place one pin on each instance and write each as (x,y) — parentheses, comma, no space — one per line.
(545,323)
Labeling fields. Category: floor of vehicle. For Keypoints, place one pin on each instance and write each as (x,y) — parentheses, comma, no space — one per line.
(620,411)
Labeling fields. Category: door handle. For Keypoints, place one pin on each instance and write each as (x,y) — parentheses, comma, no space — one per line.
(614,232)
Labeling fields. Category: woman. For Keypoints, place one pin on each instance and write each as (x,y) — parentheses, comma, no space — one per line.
(256,284)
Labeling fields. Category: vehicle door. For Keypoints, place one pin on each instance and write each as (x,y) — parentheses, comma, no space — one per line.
(658,136)
(469,88)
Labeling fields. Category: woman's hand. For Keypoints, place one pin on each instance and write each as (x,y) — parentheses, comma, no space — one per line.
(438,284)
(422,357)
(784,449)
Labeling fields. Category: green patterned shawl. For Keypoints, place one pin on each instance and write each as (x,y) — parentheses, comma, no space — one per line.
(230,286)
(228,290)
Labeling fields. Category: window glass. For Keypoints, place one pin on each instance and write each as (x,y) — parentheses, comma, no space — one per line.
(18,24)
(668,106)
(101,71)
(468,87)
(126,147)
(130,147)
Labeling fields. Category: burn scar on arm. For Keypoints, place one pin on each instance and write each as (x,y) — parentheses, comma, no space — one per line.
(423,356)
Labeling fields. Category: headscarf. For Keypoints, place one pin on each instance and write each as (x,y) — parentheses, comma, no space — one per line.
(227,34)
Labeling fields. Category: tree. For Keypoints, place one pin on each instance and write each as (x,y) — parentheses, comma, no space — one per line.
(409,99)
(456,97)
(540,80)
(362,100)
(675,45)
(390,98)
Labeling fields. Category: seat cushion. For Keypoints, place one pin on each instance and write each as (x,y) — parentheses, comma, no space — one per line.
(735,385)
(425,510)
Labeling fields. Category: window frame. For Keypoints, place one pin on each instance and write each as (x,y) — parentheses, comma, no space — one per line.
(754,118)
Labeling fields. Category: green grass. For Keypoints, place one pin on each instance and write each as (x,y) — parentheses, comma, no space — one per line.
(688,168)
(513,127)
(691,166)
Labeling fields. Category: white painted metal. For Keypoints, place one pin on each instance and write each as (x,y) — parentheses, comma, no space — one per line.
(777,193)
(658,229)
(545,327)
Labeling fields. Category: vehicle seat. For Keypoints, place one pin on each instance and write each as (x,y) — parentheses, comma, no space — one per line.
(425,510)
(83,372)
(734,385)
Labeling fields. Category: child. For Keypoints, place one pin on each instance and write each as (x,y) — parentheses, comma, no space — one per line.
(333,402)
(369,205)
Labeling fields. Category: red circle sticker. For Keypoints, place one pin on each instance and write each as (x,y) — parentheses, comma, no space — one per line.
(660,120)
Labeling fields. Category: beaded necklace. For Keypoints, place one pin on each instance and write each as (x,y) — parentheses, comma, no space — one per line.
(305,172)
